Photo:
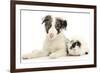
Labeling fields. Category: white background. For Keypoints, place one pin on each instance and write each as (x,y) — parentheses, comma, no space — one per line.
(5,36)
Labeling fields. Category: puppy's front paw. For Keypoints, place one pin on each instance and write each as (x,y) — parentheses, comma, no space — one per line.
(27,56)
(52,56)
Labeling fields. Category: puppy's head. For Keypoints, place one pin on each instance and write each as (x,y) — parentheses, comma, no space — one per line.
(54,26)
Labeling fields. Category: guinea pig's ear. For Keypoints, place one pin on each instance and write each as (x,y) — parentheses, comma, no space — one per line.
(64,24)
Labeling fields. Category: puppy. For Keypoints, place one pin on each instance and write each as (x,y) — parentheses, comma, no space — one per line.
(55,41)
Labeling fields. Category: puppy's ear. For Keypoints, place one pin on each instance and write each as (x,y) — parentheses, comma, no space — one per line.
(46,18)
(64,24)
(43,20)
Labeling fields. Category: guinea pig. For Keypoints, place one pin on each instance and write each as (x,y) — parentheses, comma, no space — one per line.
(77,47)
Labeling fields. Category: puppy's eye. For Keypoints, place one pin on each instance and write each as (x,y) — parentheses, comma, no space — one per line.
(48,26)
(57,26)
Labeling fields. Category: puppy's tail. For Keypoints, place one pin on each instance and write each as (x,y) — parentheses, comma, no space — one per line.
(67,42)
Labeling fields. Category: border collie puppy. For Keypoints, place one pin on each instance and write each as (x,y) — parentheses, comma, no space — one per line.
(55,42)
(77,47)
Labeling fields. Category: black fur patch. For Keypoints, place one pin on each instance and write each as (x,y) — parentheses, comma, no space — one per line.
(77,43)
(60,24)
(48,22)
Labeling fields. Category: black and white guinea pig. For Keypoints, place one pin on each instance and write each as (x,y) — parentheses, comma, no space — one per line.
(77,47)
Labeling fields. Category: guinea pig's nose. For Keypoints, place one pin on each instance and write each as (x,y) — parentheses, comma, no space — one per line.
(51,35)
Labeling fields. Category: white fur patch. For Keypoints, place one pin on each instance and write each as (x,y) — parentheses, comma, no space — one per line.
(52,30)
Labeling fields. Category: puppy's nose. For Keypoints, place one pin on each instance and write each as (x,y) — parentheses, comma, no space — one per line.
(51,35)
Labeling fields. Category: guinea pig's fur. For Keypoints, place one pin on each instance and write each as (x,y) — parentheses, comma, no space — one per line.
(77,47)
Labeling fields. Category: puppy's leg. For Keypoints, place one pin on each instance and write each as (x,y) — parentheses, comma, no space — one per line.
(35,54)
(59,53)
